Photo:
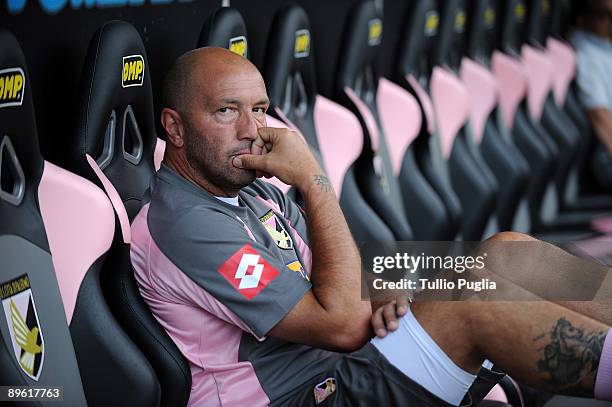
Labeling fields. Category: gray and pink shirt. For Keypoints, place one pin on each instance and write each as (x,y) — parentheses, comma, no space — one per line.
(218,277)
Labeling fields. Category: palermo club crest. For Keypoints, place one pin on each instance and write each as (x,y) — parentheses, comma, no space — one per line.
(23,324)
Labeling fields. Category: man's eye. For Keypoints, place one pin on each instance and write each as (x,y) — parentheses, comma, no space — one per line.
(223,110)
(259,110)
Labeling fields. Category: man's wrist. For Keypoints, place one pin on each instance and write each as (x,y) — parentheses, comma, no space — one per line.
(315,182)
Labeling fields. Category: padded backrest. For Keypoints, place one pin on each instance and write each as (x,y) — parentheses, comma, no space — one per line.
(116,121)
(540,76)
(452,38)
(451,102)
(289,70)
(513,24)
(563,57)
(225,28)
(483,91)
(340,139)
(512,80)
(400,118)
(36,346)
(483,29)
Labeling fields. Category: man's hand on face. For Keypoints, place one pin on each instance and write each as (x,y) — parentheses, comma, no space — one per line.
(281,153)
(385,318)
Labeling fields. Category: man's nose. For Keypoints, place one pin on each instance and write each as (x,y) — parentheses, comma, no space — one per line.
(247,126)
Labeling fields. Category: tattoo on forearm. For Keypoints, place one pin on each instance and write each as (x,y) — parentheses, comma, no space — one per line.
(323,182)
(571,357)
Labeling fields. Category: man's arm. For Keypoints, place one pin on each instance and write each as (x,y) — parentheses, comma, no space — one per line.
(332,315)
(601,120)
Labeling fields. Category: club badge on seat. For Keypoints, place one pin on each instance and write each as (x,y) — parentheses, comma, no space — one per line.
(24,326)
(276,230)
(324,389)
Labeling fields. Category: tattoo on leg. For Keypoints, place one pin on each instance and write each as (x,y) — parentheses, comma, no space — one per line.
(571,357)
(323,182)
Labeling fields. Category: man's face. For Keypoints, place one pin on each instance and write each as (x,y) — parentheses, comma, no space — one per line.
(222,121)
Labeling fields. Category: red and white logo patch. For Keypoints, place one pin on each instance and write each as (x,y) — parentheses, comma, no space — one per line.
(248,272)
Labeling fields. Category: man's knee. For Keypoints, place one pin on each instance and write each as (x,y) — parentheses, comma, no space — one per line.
(511,237)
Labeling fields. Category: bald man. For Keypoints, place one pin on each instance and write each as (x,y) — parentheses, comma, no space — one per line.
(264,302)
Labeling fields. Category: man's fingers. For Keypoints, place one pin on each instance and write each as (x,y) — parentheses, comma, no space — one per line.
(270,135)
(378,323)
(251,162)
(402,306)
(390,316)
(258,147)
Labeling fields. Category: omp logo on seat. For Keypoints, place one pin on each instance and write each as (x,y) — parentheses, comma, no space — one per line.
(12,87)
(460,21)
(301,48)
(432,20)
(375,30)
(133,71)
(238,45)
(519,12)
(489,17)
(248,272)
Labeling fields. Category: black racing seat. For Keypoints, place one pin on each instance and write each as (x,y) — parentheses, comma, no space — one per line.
(25,252)
(328,127)
(356,87)
(524,83)
(470,177)
(56,230)
(116,147)
(491,136)
(413,71)
(457,161)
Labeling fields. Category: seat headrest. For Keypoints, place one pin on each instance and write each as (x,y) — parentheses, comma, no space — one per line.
(558,16)
(225,28)
(116,124)
(421,24)
(360,52)
(21,164)
(451,42)
(18,136)
(538,20)
(483,27)
(512,26)
(289,69)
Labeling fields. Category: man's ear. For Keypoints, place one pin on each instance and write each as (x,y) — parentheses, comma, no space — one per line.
(172,123)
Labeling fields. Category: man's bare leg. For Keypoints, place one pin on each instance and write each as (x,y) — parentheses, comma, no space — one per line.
(538,343)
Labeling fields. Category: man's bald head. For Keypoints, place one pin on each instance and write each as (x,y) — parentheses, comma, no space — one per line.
(195,70)
(213,103)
